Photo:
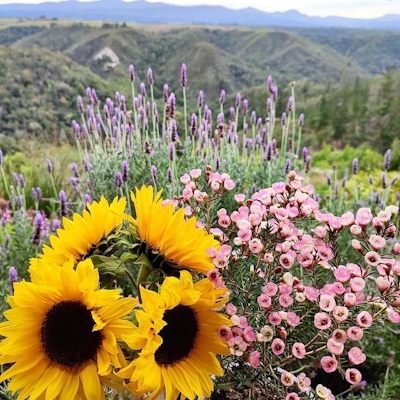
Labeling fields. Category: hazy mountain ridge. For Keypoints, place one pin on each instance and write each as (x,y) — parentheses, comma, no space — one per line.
(142,11)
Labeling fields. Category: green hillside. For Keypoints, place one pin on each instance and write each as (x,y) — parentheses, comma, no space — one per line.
(217,58)
(38,91)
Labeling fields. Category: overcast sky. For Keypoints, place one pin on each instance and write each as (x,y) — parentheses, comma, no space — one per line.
(343,8)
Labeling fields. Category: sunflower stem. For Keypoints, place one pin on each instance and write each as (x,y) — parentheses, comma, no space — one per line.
(132,279)
(144,273)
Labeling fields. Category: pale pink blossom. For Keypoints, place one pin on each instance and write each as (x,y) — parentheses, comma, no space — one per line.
(384,216)
(240,198)
(329,364)
(292,396)
(372,258)
(353,376)
(249,335)
(275,318)
(213,275)
(320,231)
(254,359)
(339,335)
(335,347)
(364,216)
(264,301)
(285,300)
(356,356)
(195,173)
(242,322)
(185,179)
(322,321)
(322,392)
(299,350)
(287,379)
(220,261)
(327,303)
(225,333)
(382,283)
(355,333)
(244,234)
(311,293)
(342,274)
(271,289)
(268,258)
(357,284)
(394,316)
(284,288)
(304,383)
(281,214)
(231,309)
(211,252)
(286,261)
(278,346)
(237,346)
(266,334)
(350,299)
(340,313)
(377,242)
(305,259)
(224,221)
(215,186)
(292,319)
(279,187)
(356,230)
(338,288)
(256,246)
(347,219)
(364,319)
(356,244)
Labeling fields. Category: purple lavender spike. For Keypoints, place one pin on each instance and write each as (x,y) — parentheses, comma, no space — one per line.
(270,151)
(89,95)
(371,180)
(253,118)
(233,114)
(21,180)
(150,77)
(96,100)
(117,98)
(148,109)
(165,93)
(393,181)
(132,76)
(270,85)
(305,153)
(238,100)
(74,169)
(222,97)
(1,158)
(328,180)
(275,94)
(209,116)
(269,105)
(308,163)
(220,118)
(13,274)
(217,164)
(125,171)
(49,166)
(284,119)
(63,203)
(172,104)
(200,100)
(386,162)
(39,222)
(184,75)
(245,107)
(87,198)
(174,131)
(171,151)
(118,179)
(344,181)
(193,124)
(169,175)
(79,102)
(123,103)
(354,167)
(245,129)
(287,166)
(143,89)
(290,104)
(384,182)
(301,120)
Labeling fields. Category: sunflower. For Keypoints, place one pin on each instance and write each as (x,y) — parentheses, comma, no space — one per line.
(177,336)
(84,232)
(168,240)
(62,332)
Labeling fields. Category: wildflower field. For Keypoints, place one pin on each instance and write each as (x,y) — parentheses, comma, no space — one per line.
(198,253)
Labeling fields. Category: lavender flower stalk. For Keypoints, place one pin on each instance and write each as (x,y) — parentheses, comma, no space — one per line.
(63,203)
(184,85)
(354,167)
(39,222)
(386,161)
(13,277)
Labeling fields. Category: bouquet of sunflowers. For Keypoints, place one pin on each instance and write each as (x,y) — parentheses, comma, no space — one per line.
(70,330)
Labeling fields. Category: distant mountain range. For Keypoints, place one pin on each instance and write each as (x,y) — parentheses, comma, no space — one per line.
(145,12)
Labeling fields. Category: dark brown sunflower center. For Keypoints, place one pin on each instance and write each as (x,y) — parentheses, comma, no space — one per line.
(67,336)
(178,336)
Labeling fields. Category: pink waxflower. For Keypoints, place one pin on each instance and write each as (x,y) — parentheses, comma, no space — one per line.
(279,187)
(311,293)
(355,333)
(327,303)
(339,335)
(284,288)
(364,216)
(266,334)
(394,316)
(364,319)
(338,288)
(342,274)
(244,234)
(275,318)
(299,350)
(237,346)
(320,231)
(377,242)
(278,346)
(187,193)
(383,283)
(268,258)
(256,246)
(353,376)
(254,359)
(292,319)
(356,356)
(340,313)
(372,258)
(195,173)
(292,396)
(329,364)
(231,309)
(225,249)
(323,392)
(357,284)
(396,248)
(335,347)
(242,322)
(237,331)
(347,219)
(322,321)
(287,378)
(350,299)
(356,230)
(264,301)
(335,223)
(185,179)
(220,261)
(225,333)
(285,300)
(325,252)
(249,335)
(211,252)
(213,275)
(240,198)
(305,259)
(304,383)
(286,261)
(271,289)
(229,184)
(224,221)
